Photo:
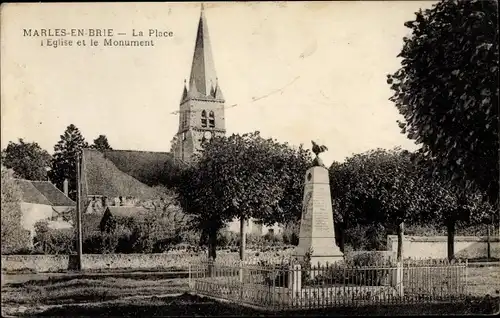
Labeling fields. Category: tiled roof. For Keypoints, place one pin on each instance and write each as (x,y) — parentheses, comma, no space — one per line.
(146,166)
(53,194)
(30,194)
(42,192)
(100,176)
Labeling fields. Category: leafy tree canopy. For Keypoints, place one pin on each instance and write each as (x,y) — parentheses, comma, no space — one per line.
(378,186)
(27,159)
(245,176)
(447,90)
(387,187)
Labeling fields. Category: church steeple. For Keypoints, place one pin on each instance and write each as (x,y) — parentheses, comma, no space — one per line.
(201,110)
(203,74)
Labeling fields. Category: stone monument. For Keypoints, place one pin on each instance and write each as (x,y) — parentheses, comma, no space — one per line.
(316,226)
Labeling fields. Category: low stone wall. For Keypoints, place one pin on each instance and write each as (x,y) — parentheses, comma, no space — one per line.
(174,259)
(36,263)
(138,261)
(56,263)
(421,247)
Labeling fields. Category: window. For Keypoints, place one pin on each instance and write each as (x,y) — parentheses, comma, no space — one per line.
(203,118)
(211,120)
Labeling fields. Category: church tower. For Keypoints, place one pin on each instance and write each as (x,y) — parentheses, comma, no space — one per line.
(201,110)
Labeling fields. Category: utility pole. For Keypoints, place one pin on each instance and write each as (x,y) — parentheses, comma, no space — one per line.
(78,214)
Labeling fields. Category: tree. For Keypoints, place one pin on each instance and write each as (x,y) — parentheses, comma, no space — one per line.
(447,204)
(27,159)
(447,91)
(14,237)
(64,159)
(243,176)
(381,187)
(378,187)
(101,143)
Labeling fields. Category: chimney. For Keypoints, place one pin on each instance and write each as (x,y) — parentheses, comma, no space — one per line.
(65,187)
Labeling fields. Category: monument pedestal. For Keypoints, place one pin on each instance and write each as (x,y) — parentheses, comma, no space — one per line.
(316,227)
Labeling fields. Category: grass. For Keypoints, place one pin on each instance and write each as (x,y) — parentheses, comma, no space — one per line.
(483,281)
(189,305)
(67,289)
(112,293)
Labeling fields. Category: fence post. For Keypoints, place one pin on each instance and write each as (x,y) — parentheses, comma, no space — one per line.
(295,280)
(466,276)
(273,297)
(399,279)
(189,279)
(241,271)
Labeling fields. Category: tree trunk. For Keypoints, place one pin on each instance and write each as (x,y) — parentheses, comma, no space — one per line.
(451,239)
(212,244)
(400,232)
(488,251)
(243,239)
(340,235)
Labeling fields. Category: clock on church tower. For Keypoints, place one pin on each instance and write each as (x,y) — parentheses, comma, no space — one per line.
(201,111)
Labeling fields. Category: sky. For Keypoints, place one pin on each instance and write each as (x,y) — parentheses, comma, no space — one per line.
(294,71)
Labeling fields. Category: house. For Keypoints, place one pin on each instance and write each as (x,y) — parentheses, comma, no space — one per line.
(119,177)
(112,214)
(42,200)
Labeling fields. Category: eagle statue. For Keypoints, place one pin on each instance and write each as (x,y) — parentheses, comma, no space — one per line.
(317,149)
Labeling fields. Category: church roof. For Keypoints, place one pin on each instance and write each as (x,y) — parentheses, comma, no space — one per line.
(203,77)
(145,166)
(101,176)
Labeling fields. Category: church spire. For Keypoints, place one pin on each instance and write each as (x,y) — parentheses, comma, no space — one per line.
(184,93)
(203,69)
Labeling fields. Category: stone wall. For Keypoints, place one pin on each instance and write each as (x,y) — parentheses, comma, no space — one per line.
(421,247)
(36,263)
(174,259)
(253,228)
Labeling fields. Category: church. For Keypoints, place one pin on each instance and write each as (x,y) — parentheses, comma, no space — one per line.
(119,177)
(201,110)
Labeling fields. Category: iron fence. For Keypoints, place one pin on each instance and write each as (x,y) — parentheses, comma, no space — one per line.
(299,286)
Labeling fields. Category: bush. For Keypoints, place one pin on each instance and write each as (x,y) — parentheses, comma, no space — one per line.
(53,241)
(92,242)
(291,234)
(366,237)
(255,241)
(273,239)
(369,258)
(14,237)
(227,239)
